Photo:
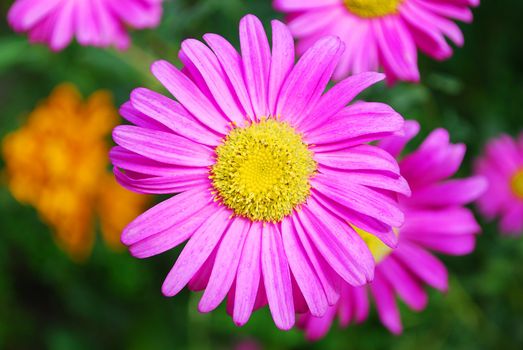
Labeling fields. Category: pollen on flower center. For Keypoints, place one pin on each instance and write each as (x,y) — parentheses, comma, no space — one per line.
(378,249)
(262,171)
(517,184)
(372,8)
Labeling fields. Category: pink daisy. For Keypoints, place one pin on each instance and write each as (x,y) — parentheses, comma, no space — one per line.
(269,170)
(435,220)
(93,22)
(380,33)
(502,165)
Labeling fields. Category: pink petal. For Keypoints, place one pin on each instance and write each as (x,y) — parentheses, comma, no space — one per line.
(172,115)
(362,120)
(248,276)
(423,264)
(196,251)
(162,147)
(386,304)
(256,62)
(371,179)
(435,222)
(174,183)
(277,278)
(436,159)
(451,245)
(302,270)
(171,237)
(318,327)
(512,220)
(327,277)
(337,242)
(452,192)
(300,5)
(201,278)
(397,50)
(225,265)
(396,143)
(215,78)
(190,96)
(166,215)
(338,97)
(366,223)
(132,115)
(308,79)
(407,287)
(361,199)
(232,65)
(129,161)
(282,61)
(362,157)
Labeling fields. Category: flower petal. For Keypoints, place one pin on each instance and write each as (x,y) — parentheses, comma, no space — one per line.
(339,244)
(452,192)
(407,287)
(356,124)
(362,157)
(225,265)
(196,251)
(338,97)
(166,215)
(329,280)
(308,79)
(386,303)
(277,278)
(364,222)
(174,183)
(423,264)
(211,70)
(361,199)
(282,61)
(162,147)
(256,55)
(303,271)
(248,276)
(172,115)
(190,96)
(232,65)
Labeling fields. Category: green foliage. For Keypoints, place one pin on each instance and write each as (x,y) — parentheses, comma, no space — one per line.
(114,301)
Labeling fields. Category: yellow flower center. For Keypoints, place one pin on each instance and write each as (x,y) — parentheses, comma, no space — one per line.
(378,249)
(517,184)
(262,171)
(372,8)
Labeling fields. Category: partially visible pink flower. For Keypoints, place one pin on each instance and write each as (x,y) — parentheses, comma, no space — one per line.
(93,22)
(380,33)
(271,170)
(502,165)
(435,220)
(248,344)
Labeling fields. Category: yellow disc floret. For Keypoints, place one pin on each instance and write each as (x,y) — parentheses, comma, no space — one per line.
(262,171)
(378,249)
(517,184)
(372,8)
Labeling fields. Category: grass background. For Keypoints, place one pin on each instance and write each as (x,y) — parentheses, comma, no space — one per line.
(114,301)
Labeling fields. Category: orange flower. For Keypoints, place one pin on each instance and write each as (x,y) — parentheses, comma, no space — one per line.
(58,163)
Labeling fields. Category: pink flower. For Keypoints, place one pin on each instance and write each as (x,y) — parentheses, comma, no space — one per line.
(93,22)
(435,220)
(380,33)
(269,170)
(502,165)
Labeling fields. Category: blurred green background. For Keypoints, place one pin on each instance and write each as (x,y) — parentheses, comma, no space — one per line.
(114,301)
